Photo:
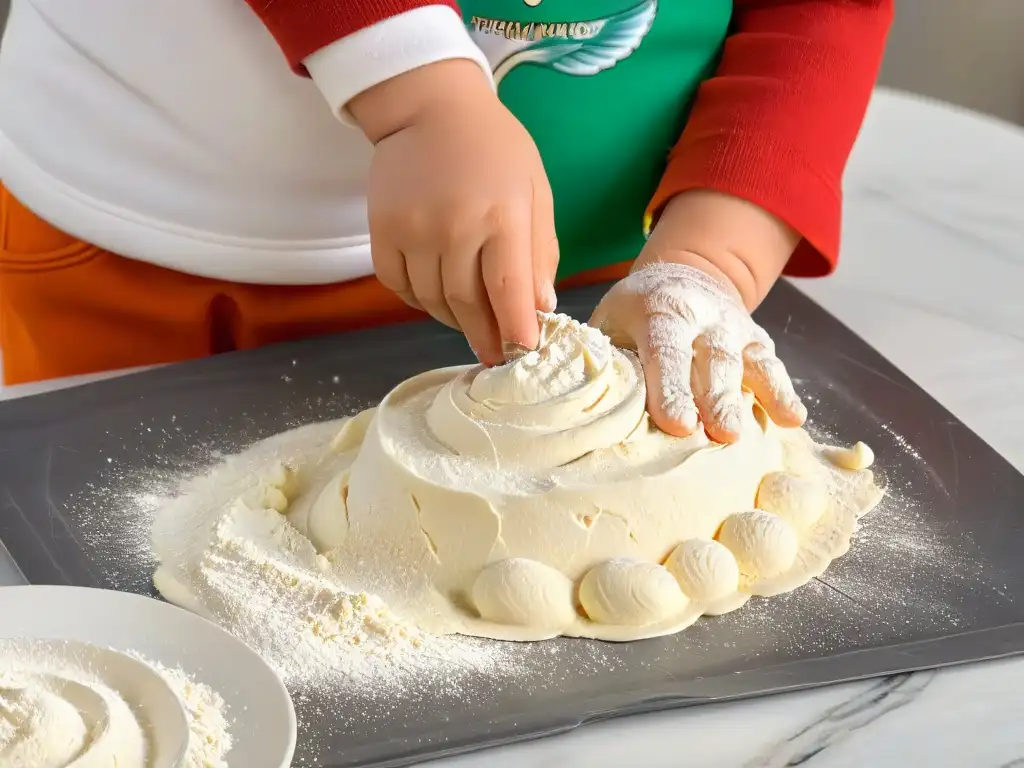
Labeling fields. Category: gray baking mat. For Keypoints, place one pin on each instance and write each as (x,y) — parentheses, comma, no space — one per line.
(931,580)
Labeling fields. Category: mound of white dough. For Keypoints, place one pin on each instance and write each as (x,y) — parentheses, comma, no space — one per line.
(536,499)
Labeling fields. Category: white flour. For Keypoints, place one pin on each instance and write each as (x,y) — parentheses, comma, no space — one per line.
(439,681)
(209,734)
(112,520)
(905,559)
(50,702)
(249,570)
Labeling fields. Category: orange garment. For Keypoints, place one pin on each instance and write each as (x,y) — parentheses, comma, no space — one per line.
(70,308)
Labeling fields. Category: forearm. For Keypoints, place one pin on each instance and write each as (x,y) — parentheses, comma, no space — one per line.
(351,47)
(776,123)
(726,236)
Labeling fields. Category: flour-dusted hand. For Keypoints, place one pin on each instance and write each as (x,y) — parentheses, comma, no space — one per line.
(699,347)
(460,209)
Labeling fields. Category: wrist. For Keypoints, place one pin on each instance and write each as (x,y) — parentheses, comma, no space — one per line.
(689,259)
(413,96)
(726,237)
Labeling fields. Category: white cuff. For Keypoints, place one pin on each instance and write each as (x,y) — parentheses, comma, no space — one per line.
(347,67)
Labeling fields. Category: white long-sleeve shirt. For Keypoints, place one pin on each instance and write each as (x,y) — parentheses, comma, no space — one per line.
(173,132)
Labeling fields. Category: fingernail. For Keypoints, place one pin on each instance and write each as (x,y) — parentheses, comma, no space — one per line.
(550,299)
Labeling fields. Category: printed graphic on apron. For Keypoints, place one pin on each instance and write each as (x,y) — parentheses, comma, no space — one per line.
(578,48)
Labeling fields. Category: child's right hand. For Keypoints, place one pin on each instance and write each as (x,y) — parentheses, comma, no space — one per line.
(460,209)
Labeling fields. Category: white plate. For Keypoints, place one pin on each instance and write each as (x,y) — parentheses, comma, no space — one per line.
(259,708)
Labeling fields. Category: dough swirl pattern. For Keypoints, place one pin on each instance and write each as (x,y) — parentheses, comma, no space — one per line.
(536,499)
(572,396)
(49,719)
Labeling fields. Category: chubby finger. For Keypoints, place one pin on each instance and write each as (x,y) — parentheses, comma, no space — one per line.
(545,250)
(718,385)
(507,267)
(666,356)
(766,377)
(389,267)
(424,270)
(466,297)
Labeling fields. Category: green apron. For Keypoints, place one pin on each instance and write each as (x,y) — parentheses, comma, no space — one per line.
(604,87)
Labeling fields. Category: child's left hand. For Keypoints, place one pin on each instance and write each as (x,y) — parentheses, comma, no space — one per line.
(682,311)
(699,347)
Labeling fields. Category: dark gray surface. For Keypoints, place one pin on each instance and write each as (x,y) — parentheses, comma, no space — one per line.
(931,580)
(10,574)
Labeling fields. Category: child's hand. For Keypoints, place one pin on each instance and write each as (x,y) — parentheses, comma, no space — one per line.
(698,347)
(460,209)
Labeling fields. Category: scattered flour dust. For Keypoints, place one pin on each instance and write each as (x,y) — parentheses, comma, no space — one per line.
(911,565)
(375,683)
(345,652)
(336,651)
(228,552)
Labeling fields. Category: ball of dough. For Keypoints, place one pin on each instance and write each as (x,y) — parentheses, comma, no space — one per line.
(706,570)
(798,500)
(524,593)
(763,544)
(629,592)
(859,457)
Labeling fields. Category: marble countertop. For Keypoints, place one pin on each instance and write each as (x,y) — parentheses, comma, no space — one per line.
(932,276)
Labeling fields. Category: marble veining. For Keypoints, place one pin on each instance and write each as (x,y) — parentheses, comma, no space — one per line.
(839,722)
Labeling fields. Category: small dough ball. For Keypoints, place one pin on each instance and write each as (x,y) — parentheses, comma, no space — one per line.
(283,478)
(705,570)
(629,592)
(274,498)
(798,500)
(524,593)
(859,457)
(763,544)
(274,491)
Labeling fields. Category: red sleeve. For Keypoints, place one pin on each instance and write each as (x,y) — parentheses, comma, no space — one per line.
(776,123)
(303,27)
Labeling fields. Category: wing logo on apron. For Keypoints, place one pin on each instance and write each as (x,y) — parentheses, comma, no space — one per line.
(576,48)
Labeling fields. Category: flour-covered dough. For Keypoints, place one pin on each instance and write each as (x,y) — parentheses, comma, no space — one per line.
(536,499)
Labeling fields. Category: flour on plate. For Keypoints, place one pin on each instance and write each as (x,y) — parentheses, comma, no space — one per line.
(57,711)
